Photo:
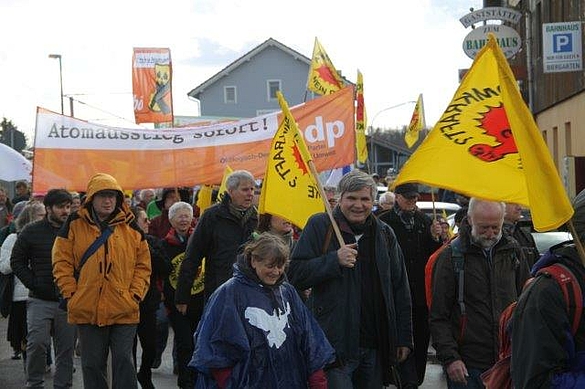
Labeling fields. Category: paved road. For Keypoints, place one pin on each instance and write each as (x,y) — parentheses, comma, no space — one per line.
(12,373)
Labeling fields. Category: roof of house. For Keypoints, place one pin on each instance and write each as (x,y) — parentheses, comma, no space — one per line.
(245,58)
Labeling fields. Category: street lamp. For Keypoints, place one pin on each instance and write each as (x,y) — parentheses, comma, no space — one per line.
(375,157)
(58,56)
(387,109)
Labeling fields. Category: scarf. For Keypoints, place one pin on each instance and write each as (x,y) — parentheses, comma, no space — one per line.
(406,217)
(243,215)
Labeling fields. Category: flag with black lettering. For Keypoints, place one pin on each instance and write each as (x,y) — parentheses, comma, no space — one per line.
(289,189)
(323,77)
(487,145)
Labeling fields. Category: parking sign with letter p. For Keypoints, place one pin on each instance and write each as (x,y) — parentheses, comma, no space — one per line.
(562,43)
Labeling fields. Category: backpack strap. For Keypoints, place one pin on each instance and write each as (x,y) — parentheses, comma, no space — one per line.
(571,291)
(92,249)
(458,269)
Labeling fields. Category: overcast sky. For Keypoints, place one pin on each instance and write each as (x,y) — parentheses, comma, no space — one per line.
(402,48)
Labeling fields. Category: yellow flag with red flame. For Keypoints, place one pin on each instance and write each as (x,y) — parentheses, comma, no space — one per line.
(487,145)
(417,123)
(289,189)
(323,77)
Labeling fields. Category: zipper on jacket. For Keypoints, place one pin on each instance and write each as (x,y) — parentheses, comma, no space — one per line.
(107,265)
(107,273)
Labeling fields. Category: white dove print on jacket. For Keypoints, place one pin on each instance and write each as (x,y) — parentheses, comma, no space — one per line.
(274,324)
(264,334)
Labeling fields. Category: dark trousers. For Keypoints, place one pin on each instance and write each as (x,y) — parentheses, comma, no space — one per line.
(162,331)
(184,327)
(146,333)
(16,331)
(96,344)
(412,371)
(362,373)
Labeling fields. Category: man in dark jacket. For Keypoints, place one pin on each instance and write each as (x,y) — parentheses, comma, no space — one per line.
(418,237)
(524,237)
(31,263)
(541,330)
(360,294)
(464,328)
(219,233)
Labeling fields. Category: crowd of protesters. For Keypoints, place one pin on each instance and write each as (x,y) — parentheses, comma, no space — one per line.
(254,301)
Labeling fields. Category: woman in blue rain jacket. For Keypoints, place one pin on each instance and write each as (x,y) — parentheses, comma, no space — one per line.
(256,332)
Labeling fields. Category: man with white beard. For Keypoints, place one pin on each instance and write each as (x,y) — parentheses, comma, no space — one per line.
(490,271)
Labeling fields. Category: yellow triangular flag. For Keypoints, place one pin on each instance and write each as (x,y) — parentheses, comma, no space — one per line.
(417,123)
(360,121)
(487,145)
(288,176)
(223,186)
(323,77)
(204,198)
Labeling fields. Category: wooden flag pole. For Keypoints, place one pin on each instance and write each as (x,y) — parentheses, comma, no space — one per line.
(434,208)
(577,241)
(327,205)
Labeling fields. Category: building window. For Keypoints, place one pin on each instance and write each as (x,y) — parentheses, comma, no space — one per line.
(229,95)
(272,87)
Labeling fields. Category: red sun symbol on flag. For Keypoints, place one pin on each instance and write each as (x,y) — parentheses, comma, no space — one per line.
(299,159)
(495,123)
(325,74)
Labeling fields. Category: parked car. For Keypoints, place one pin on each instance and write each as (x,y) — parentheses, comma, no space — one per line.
(545,240)
(438,206)
(427,207)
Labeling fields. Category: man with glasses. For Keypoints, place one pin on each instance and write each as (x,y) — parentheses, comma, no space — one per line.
(419,237)
(103,295)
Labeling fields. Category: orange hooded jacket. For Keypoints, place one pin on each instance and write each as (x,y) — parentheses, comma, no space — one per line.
(115,278)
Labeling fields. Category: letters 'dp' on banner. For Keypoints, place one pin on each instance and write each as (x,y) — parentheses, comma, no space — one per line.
(69,150)
(151,85)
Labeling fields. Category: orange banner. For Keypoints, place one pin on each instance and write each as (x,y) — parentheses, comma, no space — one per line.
(68,151)
(151,85)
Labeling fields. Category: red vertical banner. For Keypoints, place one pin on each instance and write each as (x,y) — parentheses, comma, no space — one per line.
(151,85)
